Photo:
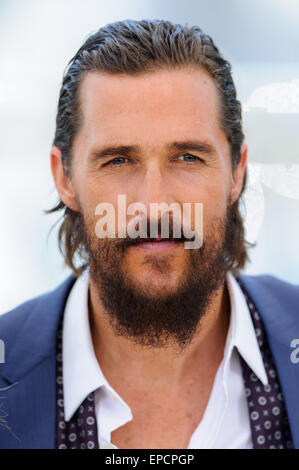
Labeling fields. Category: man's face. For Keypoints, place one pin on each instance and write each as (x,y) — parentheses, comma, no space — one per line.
(166,125)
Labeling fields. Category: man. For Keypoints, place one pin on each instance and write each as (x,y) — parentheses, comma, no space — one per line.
(150,344)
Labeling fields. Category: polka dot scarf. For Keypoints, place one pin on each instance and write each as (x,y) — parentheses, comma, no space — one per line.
(268,418)
(81,431)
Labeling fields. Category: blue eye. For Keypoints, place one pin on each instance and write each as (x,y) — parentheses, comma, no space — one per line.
(116,161)
(189,158)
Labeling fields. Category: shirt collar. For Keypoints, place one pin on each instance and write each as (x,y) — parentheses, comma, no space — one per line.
(241,332)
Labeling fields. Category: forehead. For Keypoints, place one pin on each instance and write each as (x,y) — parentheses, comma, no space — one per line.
(145,107)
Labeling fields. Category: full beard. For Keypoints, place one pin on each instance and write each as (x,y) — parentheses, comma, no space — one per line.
(158,320)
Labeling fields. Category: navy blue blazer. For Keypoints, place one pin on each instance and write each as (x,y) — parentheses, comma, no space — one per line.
(28,375)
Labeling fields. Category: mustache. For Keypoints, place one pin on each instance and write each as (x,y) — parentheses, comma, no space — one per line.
(175,233)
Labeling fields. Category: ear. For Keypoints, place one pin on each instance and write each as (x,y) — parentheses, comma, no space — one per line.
(62,180)
(239,174)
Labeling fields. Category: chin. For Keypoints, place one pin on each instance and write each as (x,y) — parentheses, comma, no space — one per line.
(160,287)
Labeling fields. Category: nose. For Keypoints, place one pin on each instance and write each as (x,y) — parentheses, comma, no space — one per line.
(154,186)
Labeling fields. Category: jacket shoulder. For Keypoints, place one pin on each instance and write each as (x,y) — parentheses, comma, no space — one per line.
(13,320)
(277,300)
(278,288)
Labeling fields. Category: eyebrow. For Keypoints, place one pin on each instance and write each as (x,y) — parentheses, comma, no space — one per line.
(193,145)
(113,151)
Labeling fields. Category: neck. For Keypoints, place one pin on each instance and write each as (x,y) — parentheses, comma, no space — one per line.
(121,359)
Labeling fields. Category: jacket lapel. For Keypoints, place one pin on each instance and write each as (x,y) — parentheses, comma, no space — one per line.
(28,384)
(278,305)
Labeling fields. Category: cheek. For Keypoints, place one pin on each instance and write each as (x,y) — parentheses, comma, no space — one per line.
(92,191)
(214,193)
(215,204)
(94,197)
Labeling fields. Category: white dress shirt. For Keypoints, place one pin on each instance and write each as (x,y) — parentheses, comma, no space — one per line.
(225,424)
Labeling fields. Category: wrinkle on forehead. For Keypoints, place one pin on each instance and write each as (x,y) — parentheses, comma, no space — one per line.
(148,109)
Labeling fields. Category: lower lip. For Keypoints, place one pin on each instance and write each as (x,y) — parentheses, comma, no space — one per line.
(156,246)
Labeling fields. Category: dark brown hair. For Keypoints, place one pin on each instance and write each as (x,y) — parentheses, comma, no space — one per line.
(136,47)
